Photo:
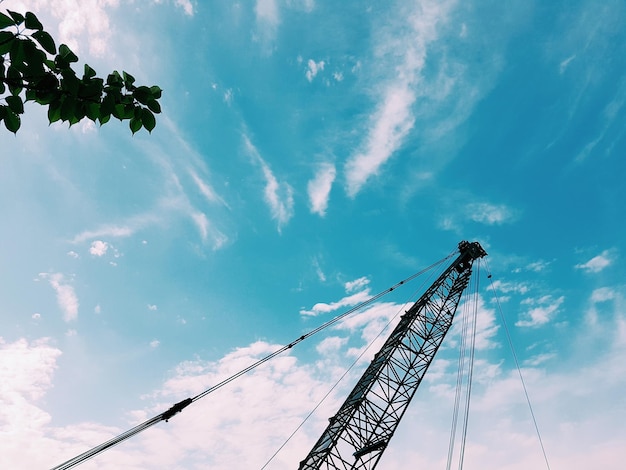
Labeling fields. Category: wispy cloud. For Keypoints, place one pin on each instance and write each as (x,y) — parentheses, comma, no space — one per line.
(348,301)
(320,186)
(205,189)
(66,296)
(277,195)
(393,118)
(358,291)
(267,21)
(542,311)
(597,263)
(186,5)
(356,285)
(489,214)
(117,231)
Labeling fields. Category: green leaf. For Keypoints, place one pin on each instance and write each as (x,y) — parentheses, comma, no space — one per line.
(54,111)
(32,22)
(18,17)
(17,55)
(14,80)
(142,94)
(135,125)
(118,111)
(6,21)
(89,73)
(154,106)
(45,41)
(128,80)
(12,121)
(147,119)
(6,41)
(68,108)
(15,104)
(156,92)
(67,54)
(108,104)
(92,111)
(104,118)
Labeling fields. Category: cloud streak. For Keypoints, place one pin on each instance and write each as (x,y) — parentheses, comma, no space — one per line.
(319,188)
(393,118)
(67,300)
(277,195)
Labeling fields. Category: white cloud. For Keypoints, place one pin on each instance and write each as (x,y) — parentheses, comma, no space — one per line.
(73,254)
(152,307)
(201,221)
(278,196)
(66,296)
(489,214)
(565,63)
(391,123)
(319,188)
(486,327)
(186,5)
(313,68)
(597,263)
(318,270)
(206,190)
(393,118)
(508,287)
(155,343)
(357,284)
(543,311)
(348,301)
(116,231)
(603,294)
(98,248)
(267,21)
(262,408)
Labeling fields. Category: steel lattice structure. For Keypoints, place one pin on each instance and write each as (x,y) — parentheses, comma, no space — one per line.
(358,434)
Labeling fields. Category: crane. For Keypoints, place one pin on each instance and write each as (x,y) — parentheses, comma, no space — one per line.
(358,434)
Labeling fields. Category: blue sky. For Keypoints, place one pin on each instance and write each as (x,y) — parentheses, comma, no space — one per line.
(315,153)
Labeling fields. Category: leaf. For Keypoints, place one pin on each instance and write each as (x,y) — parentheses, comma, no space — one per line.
(54,111)
(17,54)
(118,111)
(142,94)
(68,108)
(32,22)
(89,73)
(104,118)
(156,92)
(6,41)
(6,21)
(154,106)
(147,119)
(67,53)
(45,41)
(92,111)
(18,17)
(12,121)
(128,80)
(135,125)
(15,104)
